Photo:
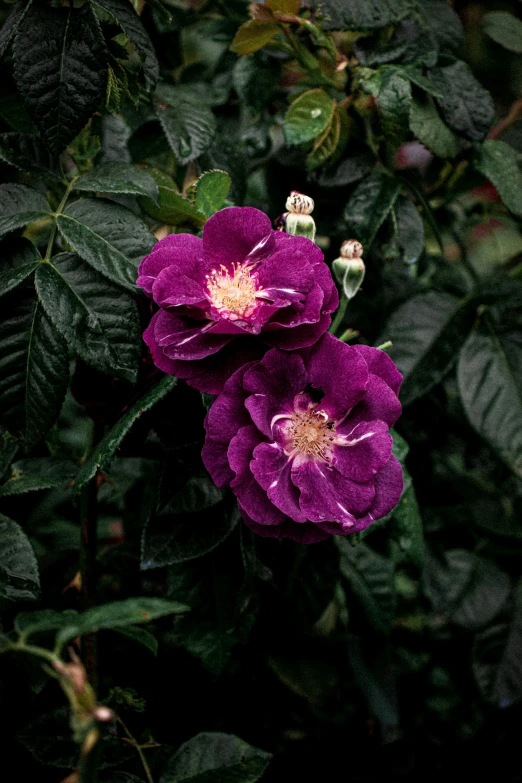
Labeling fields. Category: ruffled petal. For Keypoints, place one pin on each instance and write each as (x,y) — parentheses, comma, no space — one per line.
(340,372)
(185,338)
(272,385)
(175,286)
(302,336)
(158,357)
(210,375)
(272,470)
(380,364)
(388,490)
(251,496)
(326,496)
(226,414)
(361,453)
(286,275)
(379,402)
(237,235)
(177,249)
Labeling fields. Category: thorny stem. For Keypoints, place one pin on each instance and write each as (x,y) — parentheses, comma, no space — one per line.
(61,207)
(139,748)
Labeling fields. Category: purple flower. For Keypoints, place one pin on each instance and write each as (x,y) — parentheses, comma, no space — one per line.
(302,438)
(243,283)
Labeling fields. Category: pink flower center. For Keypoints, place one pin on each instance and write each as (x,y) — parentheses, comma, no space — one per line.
(311,433)
(233,295)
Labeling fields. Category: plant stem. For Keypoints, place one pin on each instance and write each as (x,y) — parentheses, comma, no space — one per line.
(337,321)
(138,747)
(61,207)
(349,334)
(88,767)
(385,346)
(513,115)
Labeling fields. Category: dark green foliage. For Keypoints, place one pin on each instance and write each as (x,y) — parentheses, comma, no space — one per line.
(395,652)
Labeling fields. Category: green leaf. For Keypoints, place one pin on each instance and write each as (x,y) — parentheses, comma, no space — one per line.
(410,230)
(28,153)
(19,259)
(211,191)
(212,757)
(173,208)
(19,578)
(28,623)
(36,473)
(393,95)
(444,24)
(109,237)
(308,116)
(364,14)
(407,527)
(20,205)
(427,126)
(126,17)
(141,636)
(8,448)
(426,332)
(102,454)
(99,321)
(195,522)
(505,29)
(465,105)
(497,664)
(490,384)
(370,576)
(34,369)
(118,614)
(60,67)
(12,23)
(369,204)
(188,126)
(119,178)
(468,589)
(498,162)
(325,144)
(253,35)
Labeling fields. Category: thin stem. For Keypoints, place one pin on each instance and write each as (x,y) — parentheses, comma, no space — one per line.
(89,763)
(337,321)
(40,652)
(349,334)
(61,207)
(385,346)
(513,115)
(138,747)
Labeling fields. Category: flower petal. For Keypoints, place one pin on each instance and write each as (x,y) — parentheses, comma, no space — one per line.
(184,285)
(340,371)
(251,496)
(210,375)
(379,402)
(326,496)
(176,249)
(237,234)
(186,338)
(226,414)
(286,275)
(273,384)
(361,453)
(158,357)
(379,363)
(388,490)
(272,469)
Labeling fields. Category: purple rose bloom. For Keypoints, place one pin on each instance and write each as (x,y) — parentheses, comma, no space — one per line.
(243,279)
(302,438)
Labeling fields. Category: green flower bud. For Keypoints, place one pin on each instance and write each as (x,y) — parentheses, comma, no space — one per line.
(298,219)
(349,268)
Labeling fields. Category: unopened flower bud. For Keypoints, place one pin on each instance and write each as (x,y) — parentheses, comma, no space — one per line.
(349,268)
(298,219)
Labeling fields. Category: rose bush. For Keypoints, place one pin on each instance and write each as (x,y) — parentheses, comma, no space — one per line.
(302,439)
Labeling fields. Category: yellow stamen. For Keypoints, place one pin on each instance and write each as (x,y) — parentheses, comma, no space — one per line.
(312,434)
(233,295)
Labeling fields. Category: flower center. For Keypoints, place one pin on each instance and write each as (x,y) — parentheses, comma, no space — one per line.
(232,295)
(312,434)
